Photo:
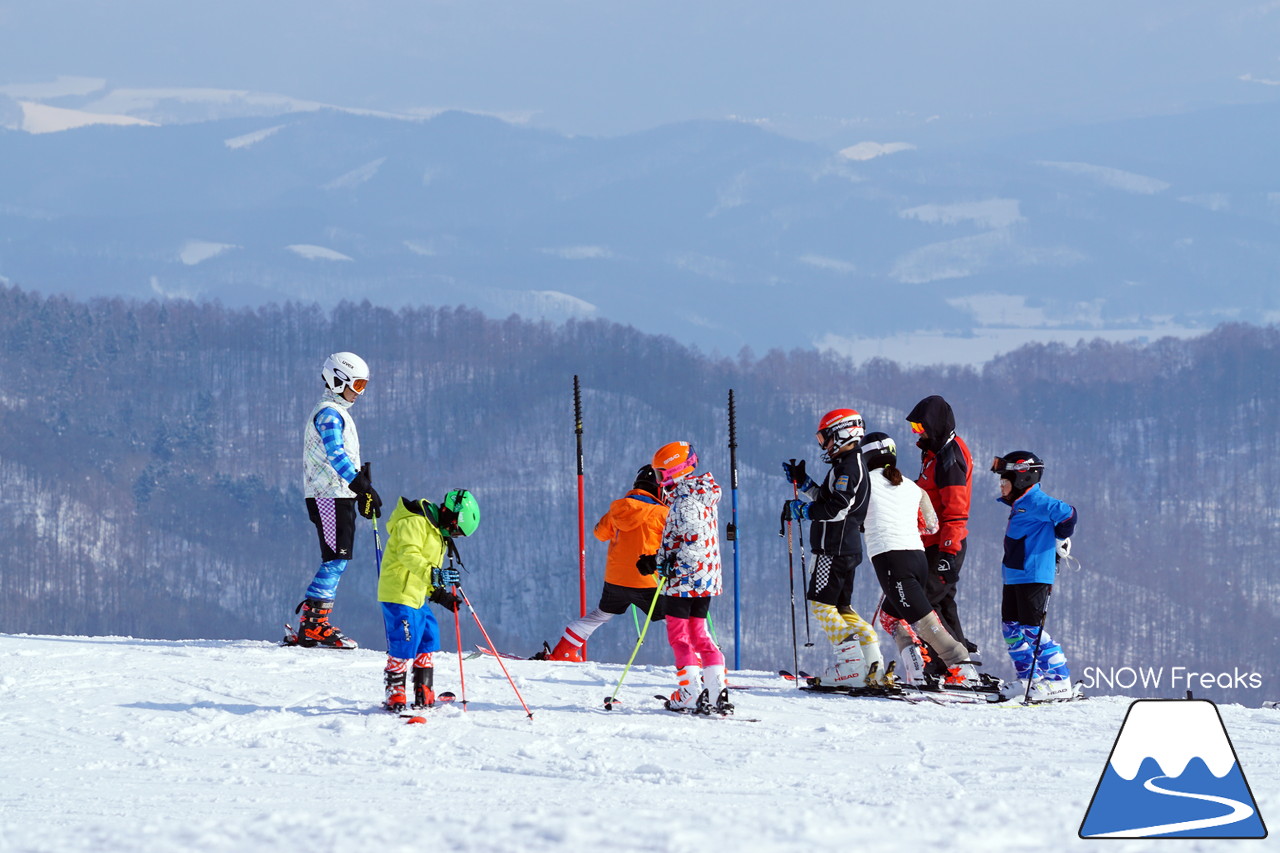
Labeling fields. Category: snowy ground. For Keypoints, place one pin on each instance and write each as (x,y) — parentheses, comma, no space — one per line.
(111,744)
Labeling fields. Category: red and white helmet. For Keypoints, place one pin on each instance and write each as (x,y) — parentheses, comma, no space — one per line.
(839,429)
(345,369)
(673,461)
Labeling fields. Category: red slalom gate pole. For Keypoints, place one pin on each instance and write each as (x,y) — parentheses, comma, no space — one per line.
(457,629)
(493,649)
(582,517)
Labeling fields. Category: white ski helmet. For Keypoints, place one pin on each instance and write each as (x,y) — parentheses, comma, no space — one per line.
(343,369)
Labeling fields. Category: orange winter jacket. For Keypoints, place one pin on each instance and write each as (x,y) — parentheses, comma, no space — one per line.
(632,526)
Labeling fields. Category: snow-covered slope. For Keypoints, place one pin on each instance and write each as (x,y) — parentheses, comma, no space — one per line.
(121,744)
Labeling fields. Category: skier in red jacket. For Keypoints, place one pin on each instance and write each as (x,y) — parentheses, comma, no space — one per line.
(946,475)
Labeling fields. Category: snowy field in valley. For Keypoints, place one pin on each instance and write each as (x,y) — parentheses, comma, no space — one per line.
(111,744)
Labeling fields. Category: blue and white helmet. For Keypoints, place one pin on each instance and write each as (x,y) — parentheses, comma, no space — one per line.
(344,370)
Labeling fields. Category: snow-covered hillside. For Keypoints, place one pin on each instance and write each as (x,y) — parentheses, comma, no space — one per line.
(114,744)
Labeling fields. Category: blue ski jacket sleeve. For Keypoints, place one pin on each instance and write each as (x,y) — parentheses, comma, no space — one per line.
(1036,522)
(329,424)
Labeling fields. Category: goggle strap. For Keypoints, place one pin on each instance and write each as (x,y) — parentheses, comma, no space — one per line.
(669,474)
(882,444)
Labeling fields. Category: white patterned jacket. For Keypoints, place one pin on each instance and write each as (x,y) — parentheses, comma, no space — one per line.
(691,538)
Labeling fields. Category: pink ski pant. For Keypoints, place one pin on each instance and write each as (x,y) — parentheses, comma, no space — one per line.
(691,643)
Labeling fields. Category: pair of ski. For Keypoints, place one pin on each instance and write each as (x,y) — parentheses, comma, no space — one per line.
(414,716)
(937,694)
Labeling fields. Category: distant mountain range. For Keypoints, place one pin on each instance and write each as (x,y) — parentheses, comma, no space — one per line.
(720,234)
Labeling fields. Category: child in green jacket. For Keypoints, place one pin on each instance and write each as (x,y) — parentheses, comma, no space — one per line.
(417,541)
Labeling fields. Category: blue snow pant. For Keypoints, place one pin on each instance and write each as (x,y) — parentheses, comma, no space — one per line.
(1021,611)
(411,631)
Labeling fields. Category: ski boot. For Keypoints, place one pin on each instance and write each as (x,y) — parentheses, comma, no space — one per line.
(717,685)
(975,656)
(851,664)
(566,650)
(393,680)
(688,695)
(424,675)
(963,675)
(1046,690)
(314,628)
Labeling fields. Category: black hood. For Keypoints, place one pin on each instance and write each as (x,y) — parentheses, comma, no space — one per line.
(939,422)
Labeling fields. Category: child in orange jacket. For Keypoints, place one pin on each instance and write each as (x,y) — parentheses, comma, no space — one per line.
(632,526)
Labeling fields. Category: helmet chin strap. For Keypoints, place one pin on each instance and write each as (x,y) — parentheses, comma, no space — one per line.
(337,399)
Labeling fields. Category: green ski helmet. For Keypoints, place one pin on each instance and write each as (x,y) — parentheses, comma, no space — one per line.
(459,513)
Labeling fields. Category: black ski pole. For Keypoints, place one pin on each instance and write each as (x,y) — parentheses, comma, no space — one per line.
(1035,653)
(804,576)
(731,533)
(791,571)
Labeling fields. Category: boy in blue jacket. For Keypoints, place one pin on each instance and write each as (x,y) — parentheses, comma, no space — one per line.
(1039,531)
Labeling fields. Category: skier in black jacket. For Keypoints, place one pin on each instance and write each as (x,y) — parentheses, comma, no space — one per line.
(837,508)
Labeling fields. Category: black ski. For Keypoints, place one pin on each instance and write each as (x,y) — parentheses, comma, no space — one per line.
(913,693)
(712,715)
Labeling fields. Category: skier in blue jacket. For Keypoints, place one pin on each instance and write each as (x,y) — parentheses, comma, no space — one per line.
(1039,532)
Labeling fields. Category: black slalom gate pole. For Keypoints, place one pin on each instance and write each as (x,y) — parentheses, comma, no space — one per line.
(785,530)
(731,533)
(582,517)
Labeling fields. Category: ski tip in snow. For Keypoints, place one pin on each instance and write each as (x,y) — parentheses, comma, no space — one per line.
(416,717)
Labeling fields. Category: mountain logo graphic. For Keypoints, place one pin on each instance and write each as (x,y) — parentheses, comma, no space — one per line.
(1173,773)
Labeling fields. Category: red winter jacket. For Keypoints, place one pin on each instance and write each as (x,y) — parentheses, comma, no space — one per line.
(946,473)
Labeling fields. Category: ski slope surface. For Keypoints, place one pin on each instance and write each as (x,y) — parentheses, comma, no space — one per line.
(118,744)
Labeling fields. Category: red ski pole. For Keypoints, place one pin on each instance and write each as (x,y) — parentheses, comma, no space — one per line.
(493,649)
(457,629)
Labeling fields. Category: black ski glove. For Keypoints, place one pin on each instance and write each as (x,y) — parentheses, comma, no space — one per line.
(647,564)
(367,500)
(445,599)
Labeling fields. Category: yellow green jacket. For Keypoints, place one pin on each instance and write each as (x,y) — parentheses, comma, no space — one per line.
(414,547)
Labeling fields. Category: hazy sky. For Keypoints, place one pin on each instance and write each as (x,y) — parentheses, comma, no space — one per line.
(841,69)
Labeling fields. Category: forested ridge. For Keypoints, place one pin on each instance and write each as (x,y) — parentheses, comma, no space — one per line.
(153,484)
